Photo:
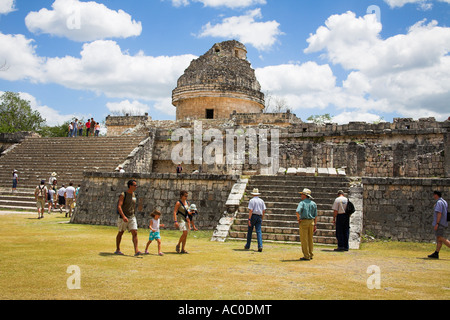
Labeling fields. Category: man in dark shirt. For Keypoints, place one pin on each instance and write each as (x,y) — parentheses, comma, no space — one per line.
(127,220)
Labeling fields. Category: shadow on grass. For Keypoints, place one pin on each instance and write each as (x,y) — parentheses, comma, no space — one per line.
(109,254)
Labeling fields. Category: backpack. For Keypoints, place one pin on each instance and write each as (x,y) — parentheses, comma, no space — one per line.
(448,212)
(350,208)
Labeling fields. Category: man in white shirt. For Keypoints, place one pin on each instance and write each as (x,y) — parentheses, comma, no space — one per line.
(61,199)
(342,221)
(257,209)
(70,197)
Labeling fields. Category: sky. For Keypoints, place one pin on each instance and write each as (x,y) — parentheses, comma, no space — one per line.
(357,60)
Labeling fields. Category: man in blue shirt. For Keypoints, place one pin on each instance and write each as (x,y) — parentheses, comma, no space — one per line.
(440,223)
(307,218)
(257,209)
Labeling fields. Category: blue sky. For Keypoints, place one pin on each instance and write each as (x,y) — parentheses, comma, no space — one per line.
(94,58)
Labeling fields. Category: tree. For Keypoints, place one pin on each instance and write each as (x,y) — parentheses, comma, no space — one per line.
(55,131)
(275,104)
(320,119)
(16,114)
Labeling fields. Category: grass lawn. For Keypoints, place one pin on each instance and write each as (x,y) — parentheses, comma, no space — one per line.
(35,255)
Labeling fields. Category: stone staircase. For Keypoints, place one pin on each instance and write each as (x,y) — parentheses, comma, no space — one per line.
(37,158)
(281,195)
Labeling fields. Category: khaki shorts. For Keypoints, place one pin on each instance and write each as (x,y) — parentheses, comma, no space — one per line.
(40,203)
(130,225)
(182,225)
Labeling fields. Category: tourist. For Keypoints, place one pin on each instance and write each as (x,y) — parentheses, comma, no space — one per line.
(154,231)
(119,169)
(97,129)
(70,198)
(126,207)
(15,180)
(80,128)
(307,218)
(257,209)
(180,216)
(342,221)
(40,194)
(75,128)
(70,130)
(440,223)
(61,199)
(54,187)
(192,213)
(179,168)
(52,178)
(77,191)
(92,127)
(50,199)
(88,127)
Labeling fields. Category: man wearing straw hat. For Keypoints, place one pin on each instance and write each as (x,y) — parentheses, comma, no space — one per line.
(257,209)
(307,218)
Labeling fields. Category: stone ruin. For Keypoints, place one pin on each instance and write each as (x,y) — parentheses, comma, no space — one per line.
(389,169)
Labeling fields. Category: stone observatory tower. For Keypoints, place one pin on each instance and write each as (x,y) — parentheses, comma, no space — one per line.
(217,84)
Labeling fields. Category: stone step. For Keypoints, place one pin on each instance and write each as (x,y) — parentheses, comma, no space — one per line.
(284,238)
(323,223)
(283,230)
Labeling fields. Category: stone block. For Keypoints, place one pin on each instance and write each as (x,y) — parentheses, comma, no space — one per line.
(332,172)
(291,171)
(310,171)
(322,171)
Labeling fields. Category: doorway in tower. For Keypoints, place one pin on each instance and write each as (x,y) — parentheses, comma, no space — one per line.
(209,113)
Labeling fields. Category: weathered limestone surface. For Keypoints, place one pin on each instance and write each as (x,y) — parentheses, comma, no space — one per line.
(401,208)
(221,80)
(99,194)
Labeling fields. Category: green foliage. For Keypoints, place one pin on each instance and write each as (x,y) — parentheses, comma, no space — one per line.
(16,114)
(320,119)
(56,131)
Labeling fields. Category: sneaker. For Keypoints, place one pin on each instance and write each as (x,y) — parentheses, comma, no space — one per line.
(434,255)
(259,249)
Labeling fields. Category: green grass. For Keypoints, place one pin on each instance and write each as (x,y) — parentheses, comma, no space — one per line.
(35,255)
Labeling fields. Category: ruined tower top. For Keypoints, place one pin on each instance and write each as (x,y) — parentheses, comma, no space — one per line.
(217,83)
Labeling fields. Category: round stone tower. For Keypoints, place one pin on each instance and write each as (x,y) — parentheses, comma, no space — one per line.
(217,84)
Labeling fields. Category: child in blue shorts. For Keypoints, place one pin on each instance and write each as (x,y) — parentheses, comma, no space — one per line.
(154,231)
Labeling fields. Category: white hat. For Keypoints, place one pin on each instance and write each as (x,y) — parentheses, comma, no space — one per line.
(255,192)
(193,207)
(307,193)
(54,174)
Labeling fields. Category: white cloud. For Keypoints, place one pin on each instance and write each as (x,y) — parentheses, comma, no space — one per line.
(245,28)
(102,68)
(53,117)
(397,71)
(128,107)
(18,54)
(7,6)
(105,69)
(422,4)
(221,3)
(82,21)
(356,116)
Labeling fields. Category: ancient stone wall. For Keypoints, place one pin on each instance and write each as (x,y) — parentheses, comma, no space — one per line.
(401,209)
(97,201)
(118,125)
